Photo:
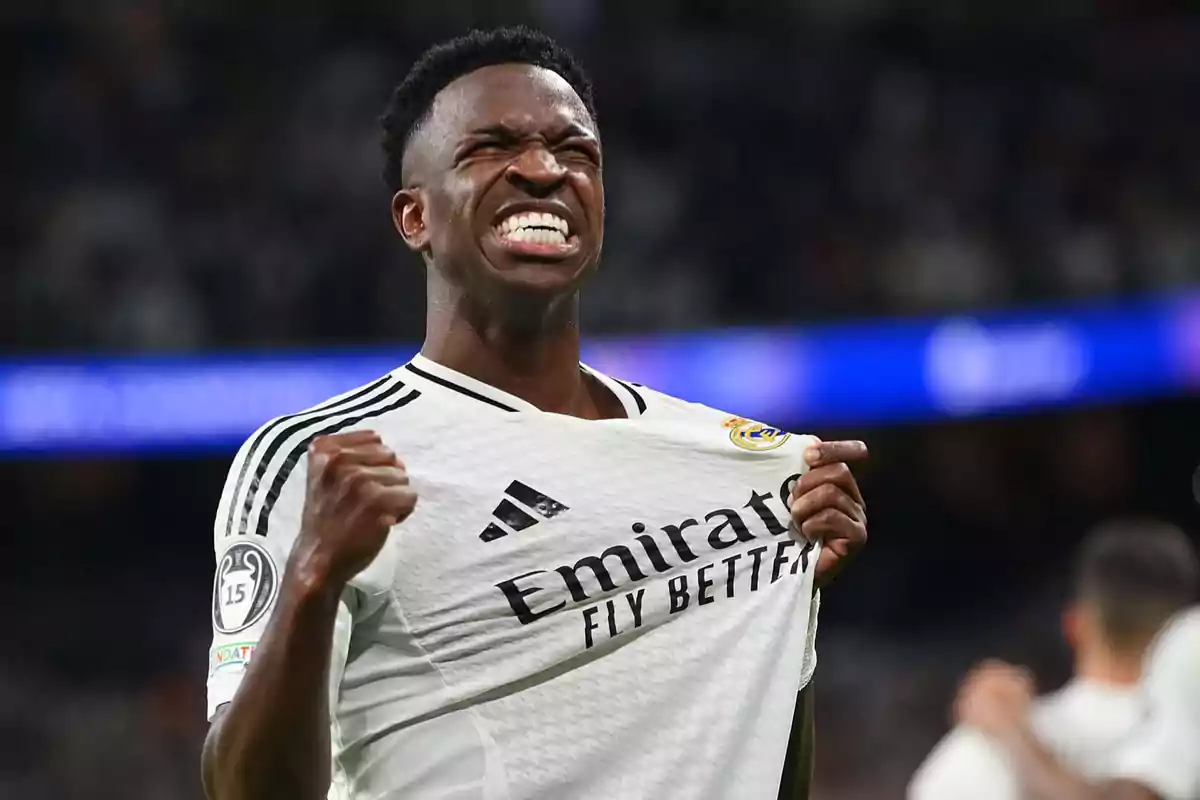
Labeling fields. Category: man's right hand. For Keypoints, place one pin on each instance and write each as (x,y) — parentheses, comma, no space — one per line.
(357,490)
(995,698)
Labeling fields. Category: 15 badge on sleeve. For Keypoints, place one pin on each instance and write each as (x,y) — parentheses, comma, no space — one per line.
(244,587)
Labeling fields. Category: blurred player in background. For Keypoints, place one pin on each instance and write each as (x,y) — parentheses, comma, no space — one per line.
(1085,742)
(1129,579)
(604,592)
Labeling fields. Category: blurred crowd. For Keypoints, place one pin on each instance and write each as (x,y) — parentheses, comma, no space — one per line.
(180,180)
(184,181)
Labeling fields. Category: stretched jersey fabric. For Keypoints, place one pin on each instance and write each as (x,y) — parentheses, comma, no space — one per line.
(1084,724)
(1165,753)
(583,609)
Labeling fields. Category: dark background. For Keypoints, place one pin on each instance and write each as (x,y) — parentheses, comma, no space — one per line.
(208,178)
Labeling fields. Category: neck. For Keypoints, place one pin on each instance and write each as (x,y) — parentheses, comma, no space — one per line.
(1107,667)
(538,362)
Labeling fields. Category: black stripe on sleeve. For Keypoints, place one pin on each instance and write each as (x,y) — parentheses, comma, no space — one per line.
(320,412)
(298,451)
(292,430)
(455,387)
(637,398)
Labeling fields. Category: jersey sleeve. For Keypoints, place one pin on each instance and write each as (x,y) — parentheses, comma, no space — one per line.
(257,521)
(1164,753)
(964,764)
(1164,757)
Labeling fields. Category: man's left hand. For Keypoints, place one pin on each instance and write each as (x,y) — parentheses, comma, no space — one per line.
(827,505)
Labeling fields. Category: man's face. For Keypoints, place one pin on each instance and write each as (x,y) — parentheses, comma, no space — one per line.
(509,189)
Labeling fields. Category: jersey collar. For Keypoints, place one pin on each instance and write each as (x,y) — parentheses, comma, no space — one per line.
(630,397)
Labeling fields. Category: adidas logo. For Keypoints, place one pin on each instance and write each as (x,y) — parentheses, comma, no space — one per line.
(515,516)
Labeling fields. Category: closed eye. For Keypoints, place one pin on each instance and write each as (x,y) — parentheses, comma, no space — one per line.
(581,149)
(482,148)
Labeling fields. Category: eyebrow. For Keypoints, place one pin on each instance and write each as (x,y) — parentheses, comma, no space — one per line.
(499,131)
(573,131)
(507,133)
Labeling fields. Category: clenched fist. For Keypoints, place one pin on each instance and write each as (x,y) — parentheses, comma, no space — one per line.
(995,698)
(357,490)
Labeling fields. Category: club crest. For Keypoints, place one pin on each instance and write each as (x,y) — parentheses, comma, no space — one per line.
(244,588)
(750,435)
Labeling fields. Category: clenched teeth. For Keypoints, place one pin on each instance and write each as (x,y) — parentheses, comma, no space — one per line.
(535,236)
(534,227)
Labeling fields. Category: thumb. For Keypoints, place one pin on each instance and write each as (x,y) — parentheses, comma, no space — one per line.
(812,452)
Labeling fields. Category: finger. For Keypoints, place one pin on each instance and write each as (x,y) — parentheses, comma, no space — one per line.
(1006,680)
(392,504)
(837,474)
(334,464)
(985,671)
(372,455)
(839,533)
(338,441)
(361,487)
(994,667)
(383,475)
(840,545)
(982,667)
(827,496)
(1020,679)
(823,453)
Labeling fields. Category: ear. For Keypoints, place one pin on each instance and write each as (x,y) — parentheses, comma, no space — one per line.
(1072,626)
(408,215)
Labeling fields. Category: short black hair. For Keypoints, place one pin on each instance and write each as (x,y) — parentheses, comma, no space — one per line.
(444,63)
(1136,574)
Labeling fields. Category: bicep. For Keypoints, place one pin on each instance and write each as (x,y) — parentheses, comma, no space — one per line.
(248,569)
(964,764)
(245,589)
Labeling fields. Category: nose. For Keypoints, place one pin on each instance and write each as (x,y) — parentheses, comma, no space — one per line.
(536,172)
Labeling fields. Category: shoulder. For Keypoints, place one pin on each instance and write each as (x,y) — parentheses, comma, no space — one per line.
(669,406)
(745,432)
(1054,712)
(1085,723)
(1173,664)
(271,460)
(1180,637)
(674,406)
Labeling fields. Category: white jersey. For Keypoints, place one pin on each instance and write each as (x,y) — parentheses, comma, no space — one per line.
(1084,725)
(1165,754)
(583,609)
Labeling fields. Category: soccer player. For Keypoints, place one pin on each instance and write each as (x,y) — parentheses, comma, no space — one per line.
(1159,761)
(571,586)
(1130,578)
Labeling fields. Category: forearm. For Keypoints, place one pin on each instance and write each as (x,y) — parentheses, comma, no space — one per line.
(272,740)
(1042,775)
(796,782)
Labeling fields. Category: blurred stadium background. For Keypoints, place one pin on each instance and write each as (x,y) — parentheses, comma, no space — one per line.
(968,233)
